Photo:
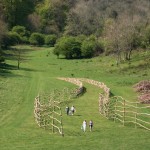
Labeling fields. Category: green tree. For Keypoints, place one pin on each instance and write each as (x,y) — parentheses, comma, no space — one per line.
(68,47)
(13,38)
(23,33)
(88,48)
(146,38)
(16,11)
(50,40)
(91,47)
(36,39)
(53,15)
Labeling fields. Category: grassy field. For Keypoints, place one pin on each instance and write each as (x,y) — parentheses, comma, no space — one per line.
(38,74)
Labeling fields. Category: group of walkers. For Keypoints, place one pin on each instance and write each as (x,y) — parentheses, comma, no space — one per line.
(71,111)
(84,125)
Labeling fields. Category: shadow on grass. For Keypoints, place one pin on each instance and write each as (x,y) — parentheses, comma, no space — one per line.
(28,69)
(6,70)
(7,66)
(14,53)
(7,73)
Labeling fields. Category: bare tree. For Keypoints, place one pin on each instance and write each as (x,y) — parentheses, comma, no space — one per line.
(34,21)
(19,56)
(3,29)
(84,18)
(113,37)
(120,35)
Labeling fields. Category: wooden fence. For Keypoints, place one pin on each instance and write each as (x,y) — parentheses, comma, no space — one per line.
(127,112)
(47,110)
(101,85)
(120,109)
(48,116)
(116,107)
(103,97)
(78,91)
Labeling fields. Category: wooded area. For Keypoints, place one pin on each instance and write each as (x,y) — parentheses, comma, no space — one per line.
(98,26)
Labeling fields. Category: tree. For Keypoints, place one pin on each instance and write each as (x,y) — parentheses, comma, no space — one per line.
(121,35)
(34,22)
(50,40)
(3,31)
(69,47)
(22,32)
(53,16)
(36,39)
(18,56)
(16,11)
(146,37)
(84,18)
(91,47)
(111,34)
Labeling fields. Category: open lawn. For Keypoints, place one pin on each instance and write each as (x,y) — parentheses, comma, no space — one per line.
(38,74)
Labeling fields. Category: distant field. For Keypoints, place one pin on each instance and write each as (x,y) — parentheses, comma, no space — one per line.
(38,74)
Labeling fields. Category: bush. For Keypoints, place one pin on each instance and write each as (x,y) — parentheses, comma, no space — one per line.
(12,39)
(22,32)
(36,39)
(68,46)
(88,47)
(50,40)
(81,38)
(144,88)
(57,50)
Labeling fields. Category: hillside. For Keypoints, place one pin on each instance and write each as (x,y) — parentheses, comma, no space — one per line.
(38,74)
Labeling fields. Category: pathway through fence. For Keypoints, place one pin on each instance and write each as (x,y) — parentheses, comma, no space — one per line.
(116,107)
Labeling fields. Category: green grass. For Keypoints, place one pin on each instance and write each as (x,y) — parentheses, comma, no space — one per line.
(38,73)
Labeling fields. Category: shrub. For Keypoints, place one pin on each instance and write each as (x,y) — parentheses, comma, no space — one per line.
(144,98)
(12,39)
(50,40)
(36,39)
(81,38)
(144,88)
(92,47)
(87,48)
(68,46)
(22,32)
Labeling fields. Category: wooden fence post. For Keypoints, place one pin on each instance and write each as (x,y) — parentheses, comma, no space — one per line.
(53,118)
(136,116)
(62,133)
(124,111)
(115,111)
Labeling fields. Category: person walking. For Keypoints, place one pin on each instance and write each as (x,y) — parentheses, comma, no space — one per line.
(67,110)
(72,110)
(84,125)
(91,125)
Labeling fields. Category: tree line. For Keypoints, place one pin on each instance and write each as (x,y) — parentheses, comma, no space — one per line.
(77,28)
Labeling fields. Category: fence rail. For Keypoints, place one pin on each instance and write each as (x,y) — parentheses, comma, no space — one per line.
(116,107)
(48,115)
(77,82)
(120,109)
(129,112)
